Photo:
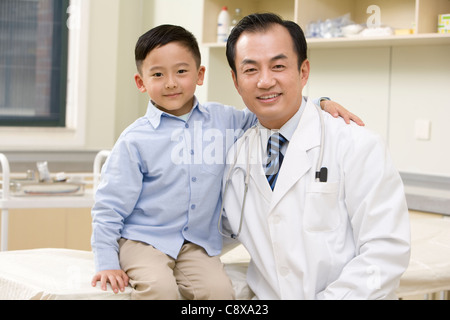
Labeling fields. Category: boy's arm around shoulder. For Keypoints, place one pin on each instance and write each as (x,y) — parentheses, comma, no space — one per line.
(337,110)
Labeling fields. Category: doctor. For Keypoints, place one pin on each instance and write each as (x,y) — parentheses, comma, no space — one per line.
(342,236)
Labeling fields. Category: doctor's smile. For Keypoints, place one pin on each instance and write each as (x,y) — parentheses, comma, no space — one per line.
(269,98)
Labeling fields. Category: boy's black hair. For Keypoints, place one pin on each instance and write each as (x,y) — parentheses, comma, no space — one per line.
(162,35)
(261,22)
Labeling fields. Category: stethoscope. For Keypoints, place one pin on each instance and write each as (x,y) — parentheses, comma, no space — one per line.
(321,172)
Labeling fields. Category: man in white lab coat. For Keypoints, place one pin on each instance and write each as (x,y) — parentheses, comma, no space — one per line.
(343,236)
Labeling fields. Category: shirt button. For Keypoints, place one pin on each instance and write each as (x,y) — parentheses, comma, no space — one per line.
(194,179)
(192,151)
(186,229)
(193,206)
(187,125)
(276,219)
(284,271)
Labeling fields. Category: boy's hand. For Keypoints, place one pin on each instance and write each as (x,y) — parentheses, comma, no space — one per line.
(336,110)
(117,278)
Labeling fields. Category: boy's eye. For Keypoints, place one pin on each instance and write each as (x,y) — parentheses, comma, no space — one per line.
(279,67)
(182,71)
(158,74)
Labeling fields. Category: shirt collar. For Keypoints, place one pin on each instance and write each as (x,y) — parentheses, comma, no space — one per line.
(154,115)
(287,130)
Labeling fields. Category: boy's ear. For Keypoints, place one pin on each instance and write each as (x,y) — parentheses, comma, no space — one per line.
(201,75)
(139,82)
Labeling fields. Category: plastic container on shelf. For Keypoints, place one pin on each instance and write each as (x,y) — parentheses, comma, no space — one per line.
(236,18)
(444,23)
(223,25)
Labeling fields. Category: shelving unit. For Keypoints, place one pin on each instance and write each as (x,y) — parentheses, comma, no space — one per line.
(420,15)
(358,41)
(285,8)
(386,80)
(8,201)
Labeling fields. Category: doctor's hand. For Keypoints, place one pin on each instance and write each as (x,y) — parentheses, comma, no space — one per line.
(117,278)
(336,110)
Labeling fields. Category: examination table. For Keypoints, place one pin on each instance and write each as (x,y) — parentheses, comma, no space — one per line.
(67,274)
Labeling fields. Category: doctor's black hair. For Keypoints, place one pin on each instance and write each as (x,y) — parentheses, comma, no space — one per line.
(258,22)
(162,35)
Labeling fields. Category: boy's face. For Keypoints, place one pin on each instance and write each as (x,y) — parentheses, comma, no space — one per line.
(267,75)
(170,75)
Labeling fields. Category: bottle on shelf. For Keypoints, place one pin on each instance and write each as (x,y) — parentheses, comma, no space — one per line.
(236,18)
(223,25)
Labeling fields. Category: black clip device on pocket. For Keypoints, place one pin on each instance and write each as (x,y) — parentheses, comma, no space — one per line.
(322,175)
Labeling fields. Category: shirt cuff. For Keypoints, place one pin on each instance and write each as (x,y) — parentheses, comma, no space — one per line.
(323,99)
(106,259)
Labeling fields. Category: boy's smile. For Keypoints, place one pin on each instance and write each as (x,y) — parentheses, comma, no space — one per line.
(170,76)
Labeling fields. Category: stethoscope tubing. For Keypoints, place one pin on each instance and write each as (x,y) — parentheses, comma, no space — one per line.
(247,175)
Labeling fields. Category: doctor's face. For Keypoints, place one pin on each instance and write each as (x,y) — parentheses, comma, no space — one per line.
(267,75)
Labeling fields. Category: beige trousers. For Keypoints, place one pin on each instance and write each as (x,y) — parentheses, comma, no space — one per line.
(157,276)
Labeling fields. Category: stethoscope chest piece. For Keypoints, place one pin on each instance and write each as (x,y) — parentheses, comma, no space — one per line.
(321,172)
(322,175)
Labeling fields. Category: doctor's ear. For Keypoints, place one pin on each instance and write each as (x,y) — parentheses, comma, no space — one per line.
(304,70)
(235,81)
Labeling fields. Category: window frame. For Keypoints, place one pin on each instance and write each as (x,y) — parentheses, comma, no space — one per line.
(73,135)
(60,104)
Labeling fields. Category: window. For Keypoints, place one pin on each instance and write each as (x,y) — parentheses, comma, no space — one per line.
(33,62)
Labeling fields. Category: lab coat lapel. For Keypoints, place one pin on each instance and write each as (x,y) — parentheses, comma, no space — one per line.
(296,162)
(257,172)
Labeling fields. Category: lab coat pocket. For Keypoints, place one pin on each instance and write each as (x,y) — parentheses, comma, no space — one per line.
(321,212)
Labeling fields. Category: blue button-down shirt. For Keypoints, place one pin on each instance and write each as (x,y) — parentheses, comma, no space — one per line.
(161,183)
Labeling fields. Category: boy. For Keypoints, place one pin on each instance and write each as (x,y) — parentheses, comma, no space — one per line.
(157,207)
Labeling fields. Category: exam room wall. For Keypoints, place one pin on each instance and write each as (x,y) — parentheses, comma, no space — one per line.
(390,88)
(113,99)
(116,26)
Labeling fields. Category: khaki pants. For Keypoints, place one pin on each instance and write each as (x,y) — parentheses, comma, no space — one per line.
(155,275)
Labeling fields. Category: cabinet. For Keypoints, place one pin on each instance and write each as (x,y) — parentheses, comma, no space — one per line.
(9,201)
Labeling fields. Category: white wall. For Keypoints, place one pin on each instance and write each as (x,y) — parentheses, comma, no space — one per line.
(421,91)
(391,88)
(357,78)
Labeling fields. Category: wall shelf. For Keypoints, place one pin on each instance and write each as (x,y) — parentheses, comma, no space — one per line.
(358,41)
(410,40)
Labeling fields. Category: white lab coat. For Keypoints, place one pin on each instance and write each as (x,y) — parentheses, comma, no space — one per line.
(347,238)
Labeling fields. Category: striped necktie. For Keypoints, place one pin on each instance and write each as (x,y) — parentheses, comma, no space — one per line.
(275,158)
